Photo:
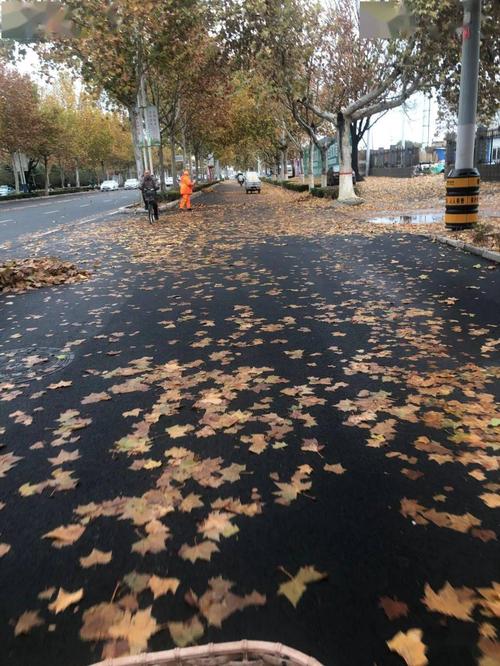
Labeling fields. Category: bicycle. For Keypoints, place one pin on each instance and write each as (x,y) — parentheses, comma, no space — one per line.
(150,199)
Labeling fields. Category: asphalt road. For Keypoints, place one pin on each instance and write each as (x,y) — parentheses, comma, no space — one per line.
(237,380)
(21,218)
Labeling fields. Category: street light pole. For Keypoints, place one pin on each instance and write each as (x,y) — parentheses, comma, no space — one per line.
(462,185)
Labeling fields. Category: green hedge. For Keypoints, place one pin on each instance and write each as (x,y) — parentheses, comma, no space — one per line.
(41,193)
(295,187)
(173,195)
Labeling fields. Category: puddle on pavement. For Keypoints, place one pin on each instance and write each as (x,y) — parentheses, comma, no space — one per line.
(422,218)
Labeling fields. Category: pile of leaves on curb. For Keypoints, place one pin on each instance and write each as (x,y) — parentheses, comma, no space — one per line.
(18,275)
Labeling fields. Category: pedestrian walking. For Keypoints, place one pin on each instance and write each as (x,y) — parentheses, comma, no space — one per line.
(186,191)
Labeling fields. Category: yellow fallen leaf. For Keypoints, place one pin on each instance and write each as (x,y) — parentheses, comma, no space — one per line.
(179,431)
(409,646)
(295,588)
(456,602)
(65,599)
(186,633)
(160,586)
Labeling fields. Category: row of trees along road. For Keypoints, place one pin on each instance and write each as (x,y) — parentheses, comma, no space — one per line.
(57,126)
(330,78)
(258,78)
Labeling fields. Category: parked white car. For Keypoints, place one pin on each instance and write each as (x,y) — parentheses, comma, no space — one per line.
(107,185)
(252,182)
(131,184)
(169,181)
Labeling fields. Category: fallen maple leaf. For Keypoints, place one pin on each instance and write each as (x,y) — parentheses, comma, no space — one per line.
(295,588)
(456,602)
(136,628)
(336,469)
(95,397)
(26,622)
(218,602)
(192,501)
(186,633)
(217,524)
(65,535)
(393,608)
(154,542)
(95,557)
(7,461)
(179,431)
(409,645)
(160,586)
(4,549)
(312,445)
(492,500)
(65,456)
(65,599)
(61,384)
(201,551)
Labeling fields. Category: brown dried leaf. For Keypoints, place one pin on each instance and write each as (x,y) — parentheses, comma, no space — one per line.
(201,551)
(393,608)
(27,621)
(65,535)
(95,557)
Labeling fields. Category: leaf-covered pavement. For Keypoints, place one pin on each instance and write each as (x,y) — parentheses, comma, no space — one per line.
(266,431)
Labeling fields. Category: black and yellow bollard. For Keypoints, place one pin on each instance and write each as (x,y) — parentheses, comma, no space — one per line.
(462,199)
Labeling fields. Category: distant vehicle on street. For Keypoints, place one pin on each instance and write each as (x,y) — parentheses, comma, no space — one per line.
(131,184)
(5,190)
(169,181)
(107,185)
(252,182)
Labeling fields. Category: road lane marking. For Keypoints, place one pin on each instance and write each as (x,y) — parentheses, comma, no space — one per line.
(49,212)
(83,205)
(9,220)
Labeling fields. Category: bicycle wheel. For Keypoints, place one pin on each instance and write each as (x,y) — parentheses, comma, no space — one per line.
(151,213)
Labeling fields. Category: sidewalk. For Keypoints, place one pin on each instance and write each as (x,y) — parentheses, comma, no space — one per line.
(244,425)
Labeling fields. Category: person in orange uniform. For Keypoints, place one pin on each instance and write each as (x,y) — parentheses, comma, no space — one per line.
(186,191)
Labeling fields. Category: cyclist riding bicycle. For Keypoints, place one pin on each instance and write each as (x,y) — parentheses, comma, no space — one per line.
(149,187)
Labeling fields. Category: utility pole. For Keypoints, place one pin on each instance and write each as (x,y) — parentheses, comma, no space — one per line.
(462,185)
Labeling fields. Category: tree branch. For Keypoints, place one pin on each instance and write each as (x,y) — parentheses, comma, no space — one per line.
(387,104)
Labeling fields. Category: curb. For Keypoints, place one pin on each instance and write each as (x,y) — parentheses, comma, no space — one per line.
(490,255)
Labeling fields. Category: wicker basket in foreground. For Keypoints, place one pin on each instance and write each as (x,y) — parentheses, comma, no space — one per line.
(241,653)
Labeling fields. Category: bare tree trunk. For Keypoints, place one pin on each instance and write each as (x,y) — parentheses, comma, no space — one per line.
(62,175)
(311,164)
(47,177)
(77,174)
(133,115)
(172,157)
(346,189)
(196,165)
(16,173)
(324,165)
(301,162)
